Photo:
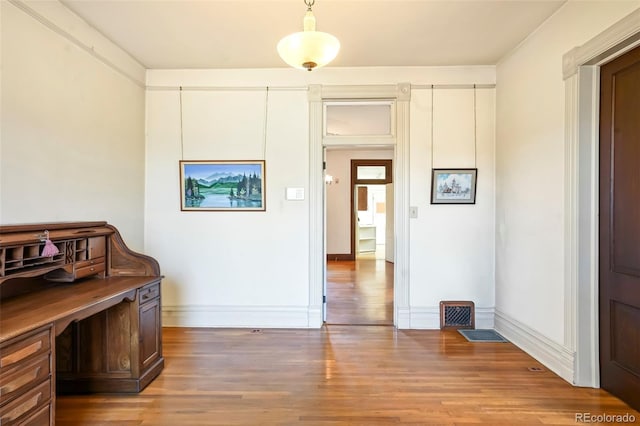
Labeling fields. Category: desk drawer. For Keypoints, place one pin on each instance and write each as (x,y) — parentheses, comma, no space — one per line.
(19,350)
(149,293)
(39,418)
(27,405)
(89,267)
(15,380)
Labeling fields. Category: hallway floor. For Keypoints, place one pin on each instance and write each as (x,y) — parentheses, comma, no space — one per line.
(360,292)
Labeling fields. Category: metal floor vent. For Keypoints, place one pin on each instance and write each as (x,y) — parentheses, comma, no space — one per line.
(482,336)
(457,314)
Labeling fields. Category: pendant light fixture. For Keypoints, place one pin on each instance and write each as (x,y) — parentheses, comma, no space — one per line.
(308,49)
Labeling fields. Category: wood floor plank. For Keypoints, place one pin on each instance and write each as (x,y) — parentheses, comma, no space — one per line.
(341,375)
(360,292)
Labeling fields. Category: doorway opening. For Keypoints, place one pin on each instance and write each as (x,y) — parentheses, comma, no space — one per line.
(369,120)
(360,281)
(371,220)
(372,208)
(581,72)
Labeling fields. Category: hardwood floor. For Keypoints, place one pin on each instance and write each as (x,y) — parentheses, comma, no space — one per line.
(341,375)
(360,292)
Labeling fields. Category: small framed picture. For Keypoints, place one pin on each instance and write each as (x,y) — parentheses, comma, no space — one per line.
(453,186)
(222,185)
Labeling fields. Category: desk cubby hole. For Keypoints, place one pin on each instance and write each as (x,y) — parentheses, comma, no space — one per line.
(62,246)
(81,250)
(68,251)
(28,257)
(33,251)
(13,257)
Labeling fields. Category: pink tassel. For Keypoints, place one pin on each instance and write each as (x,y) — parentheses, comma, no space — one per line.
(49,249)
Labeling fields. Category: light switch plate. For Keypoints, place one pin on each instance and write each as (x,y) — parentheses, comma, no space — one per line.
(413,212)
(295,194)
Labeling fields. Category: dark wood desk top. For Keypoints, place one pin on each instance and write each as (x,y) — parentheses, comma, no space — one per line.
(63,303)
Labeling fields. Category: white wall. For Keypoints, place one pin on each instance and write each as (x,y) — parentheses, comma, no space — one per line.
(229,268)
(72,138)
(530,174)
(252,269)
(338,195)
(452,246)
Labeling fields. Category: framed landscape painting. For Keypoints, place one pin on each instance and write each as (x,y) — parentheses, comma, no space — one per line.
(453,186)
(222,185)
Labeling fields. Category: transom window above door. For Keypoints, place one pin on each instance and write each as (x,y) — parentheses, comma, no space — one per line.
(371,173)
(362,118)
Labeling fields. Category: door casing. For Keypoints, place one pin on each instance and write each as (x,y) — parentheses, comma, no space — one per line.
(581,75)
(400,94)
(388,164)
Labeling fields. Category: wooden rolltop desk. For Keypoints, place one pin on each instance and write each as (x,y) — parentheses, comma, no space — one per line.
(86,319)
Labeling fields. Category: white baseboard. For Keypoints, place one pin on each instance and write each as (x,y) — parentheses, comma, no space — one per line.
(238,316)
(424,318)
(294,317)
(428,318)
(485,318)
(314,317)
(403,319)
(552,355)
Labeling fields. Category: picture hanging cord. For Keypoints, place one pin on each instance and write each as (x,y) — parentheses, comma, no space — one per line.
(181,132)
(432,142)
(475,130)
(475,127)
(264,130)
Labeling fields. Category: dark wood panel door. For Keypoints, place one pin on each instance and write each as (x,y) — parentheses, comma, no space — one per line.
(620,227)
(150,332)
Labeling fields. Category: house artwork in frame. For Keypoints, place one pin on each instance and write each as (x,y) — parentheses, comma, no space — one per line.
(453,186)
(222,185)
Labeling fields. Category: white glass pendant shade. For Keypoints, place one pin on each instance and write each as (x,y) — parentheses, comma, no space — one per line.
(308,49)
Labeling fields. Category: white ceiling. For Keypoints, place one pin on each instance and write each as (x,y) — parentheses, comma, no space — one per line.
(174,34)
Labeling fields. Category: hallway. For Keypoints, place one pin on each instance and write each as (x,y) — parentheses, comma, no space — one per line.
(360,292)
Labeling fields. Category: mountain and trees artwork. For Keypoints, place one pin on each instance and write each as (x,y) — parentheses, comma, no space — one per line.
(453,186)
(222,185)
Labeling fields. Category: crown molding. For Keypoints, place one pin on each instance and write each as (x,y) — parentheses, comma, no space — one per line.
(62,21)
(614,41)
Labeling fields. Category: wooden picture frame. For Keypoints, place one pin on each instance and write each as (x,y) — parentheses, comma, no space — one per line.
(222,185)
(453,186)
